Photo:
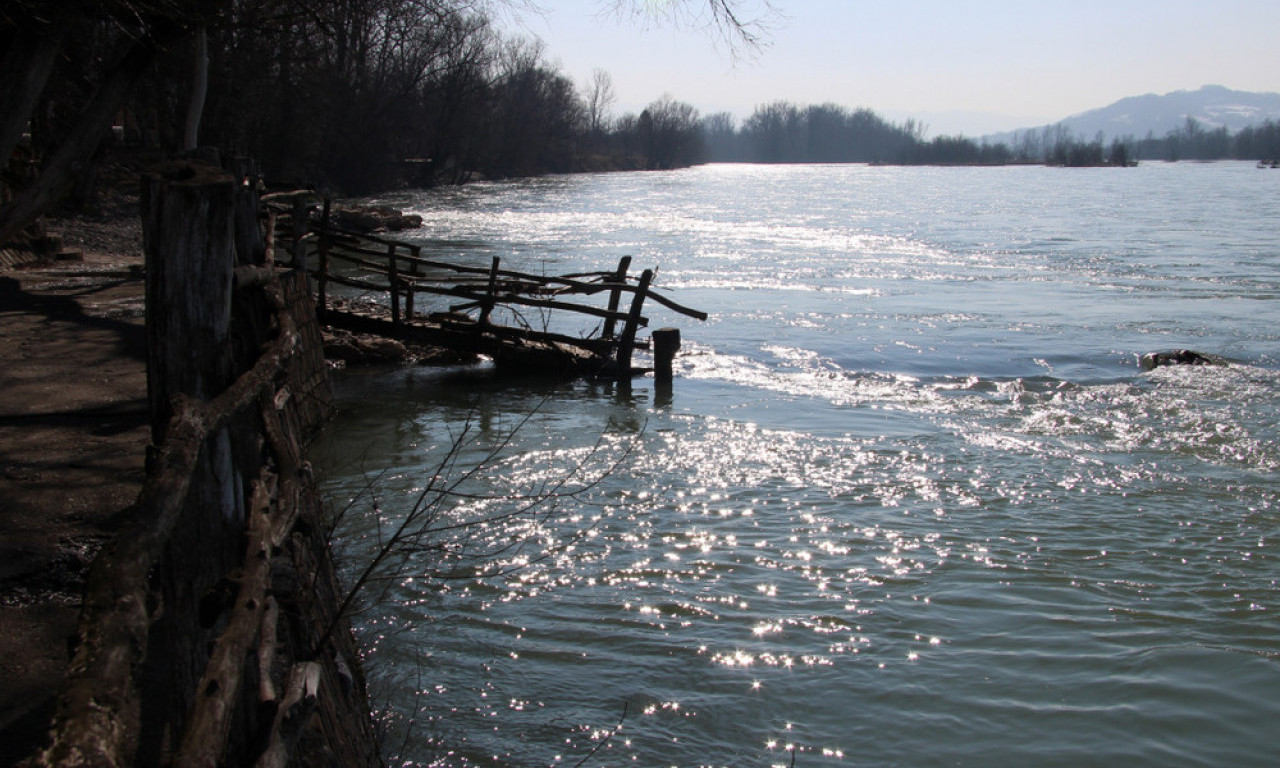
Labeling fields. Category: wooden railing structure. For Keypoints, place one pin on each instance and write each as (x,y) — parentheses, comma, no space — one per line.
(397,271)
(200,641)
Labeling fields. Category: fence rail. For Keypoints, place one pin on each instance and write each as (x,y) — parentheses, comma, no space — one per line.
(398,270)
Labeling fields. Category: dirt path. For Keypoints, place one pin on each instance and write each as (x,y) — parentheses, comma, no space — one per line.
(73,434)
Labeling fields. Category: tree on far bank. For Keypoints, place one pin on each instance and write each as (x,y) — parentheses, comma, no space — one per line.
(670,134)
(600,97)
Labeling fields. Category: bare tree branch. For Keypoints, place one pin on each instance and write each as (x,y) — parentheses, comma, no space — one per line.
(744,25)
(426,543)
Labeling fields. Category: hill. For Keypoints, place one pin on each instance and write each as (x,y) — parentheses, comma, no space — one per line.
(1212,106)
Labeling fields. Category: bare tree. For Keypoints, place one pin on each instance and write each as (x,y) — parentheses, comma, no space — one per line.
(600,97)
(37,36)
(60,168)
(199,89)
(670,133)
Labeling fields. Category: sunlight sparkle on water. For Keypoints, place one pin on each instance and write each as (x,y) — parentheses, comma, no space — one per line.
(891,465)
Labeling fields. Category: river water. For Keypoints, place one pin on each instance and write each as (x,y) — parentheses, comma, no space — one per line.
(910,501)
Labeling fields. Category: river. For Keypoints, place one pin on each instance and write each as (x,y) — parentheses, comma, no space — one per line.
(911,500)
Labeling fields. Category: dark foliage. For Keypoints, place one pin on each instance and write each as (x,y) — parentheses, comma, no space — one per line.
(350,95)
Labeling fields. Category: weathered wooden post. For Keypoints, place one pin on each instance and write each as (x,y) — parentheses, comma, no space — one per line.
(188,215)
(627,342)
(490,297)
(189,238)
(615,295)
(415,269)
(393,277)
(666,342)
(250,247)
(301,213)
(322,276)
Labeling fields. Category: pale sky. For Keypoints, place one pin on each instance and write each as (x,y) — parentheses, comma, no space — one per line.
(1012,63)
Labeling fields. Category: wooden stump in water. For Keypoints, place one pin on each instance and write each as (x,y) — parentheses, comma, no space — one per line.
(666,342)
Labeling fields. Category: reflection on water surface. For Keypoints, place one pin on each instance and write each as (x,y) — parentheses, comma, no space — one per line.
(911,500)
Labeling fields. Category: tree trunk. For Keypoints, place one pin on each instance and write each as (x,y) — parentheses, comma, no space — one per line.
(24,73)
(94,123)
(199,89)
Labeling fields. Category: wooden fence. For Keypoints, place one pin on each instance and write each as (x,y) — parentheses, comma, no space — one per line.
(397,270)
(200,639)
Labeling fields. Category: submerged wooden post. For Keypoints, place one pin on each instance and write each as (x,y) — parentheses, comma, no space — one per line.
(666,342)
(628,340)
(486,307)
(615,296)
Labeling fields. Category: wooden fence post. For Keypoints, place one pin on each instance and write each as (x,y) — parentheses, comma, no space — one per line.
(250,248)
(486,307)
(188,227)
(628,341)
(322,278)
(666,342)
(619,277)
(414,270)
(189,238)
(393,277)
(300,216)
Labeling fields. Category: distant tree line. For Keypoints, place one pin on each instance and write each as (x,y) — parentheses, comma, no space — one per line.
(781,132)
(364,95)
(335,92)
(356,87)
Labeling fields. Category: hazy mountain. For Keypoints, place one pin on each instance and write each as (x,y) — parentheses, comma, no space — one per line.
(1212,106)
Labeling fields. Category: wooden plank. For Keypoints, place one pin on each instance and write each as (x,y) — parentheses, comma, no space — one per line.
(393,280)
(486,303)
(627,342)
(615,294)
